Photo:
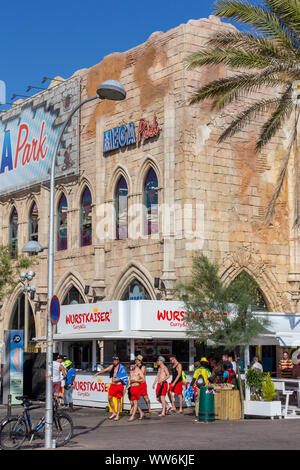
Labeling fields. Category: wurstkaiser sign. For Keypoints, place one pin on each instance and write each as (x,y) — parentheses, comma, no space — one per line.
(28,135)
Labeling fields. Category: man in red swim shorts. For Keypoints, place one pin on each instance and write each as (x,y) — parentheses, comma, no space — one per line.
(162,385)
(143,385)
(136,377)
(176,384)
(119,378)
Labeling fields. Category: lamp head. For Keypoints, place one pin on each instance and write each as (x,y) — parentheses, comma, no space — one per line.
(33,247)
(111,90)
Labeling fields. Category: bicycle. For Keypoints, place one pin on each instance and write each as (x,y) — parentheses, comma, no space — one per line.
(15,429)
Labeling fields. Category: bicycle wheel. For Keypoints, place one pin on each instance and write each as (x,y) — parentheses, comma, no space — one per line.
(13,434)
(62,430)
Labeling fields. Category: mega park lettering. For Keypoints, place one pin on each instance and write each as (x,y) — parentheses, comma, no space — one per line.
(25,150)
(125,135)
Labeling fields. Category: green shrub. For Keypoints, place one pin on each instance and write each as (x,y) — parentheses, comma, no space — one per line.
(269,391)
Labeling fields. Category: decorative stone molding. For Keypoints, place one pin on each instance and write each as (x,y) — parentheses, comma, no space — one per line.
(247,259)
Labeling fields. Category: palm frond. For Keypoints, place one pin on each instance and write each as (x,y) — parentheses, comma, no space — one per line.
(255,43)
(259,108)
(277,119)
(288,12)
(233,58)
(262,20)
(236,86)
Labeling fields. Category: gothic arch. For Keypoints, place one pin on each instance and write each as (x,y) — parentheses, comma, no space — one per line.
(70,279)
(149,162)
(117,173)
(245,259)
(9,304)
(131,272)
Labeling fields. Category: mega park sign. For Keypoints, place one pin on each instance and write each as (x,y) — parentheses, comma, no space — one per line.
(28,135)
(125,135)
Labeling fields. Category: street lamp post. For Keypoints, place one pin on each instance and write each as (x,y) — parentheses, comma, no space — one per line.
(26,278)
(110,90)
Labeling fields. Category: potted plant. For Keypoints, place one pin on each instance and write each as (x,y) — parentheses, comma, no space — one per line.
(262,394)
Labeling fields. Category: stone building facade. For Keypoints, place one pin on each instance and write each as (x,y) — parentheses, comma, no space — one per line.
(217,192)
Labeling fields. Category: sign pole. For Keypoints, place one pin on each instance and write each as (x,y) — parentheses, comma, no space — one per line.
(49,353)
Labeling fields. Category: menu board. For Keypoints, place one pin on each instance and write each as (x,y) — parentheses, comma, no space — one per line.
(150,350)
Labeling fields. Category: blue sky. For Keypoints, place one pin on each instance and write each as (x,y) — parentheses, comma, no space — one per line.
(59,37)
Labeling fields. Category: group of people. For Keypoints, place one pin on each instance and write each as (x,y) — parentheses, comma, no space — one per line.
(136,386)
(63,381)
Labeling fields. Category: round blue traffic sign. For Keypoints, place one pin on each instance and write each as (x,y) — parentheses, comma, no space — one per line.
(54,310)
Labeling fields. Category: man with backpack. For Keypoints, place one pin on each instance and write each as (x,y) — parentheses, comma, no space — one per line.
(201,378)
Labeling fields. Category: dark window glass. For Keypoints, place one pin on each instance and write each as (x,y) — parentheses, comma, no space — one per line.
(17,317)
(121,208)
(13,233)
(150,197)
(62,220)
(259,303)
(73,297)
(86,218)
(33,222)
(136,291)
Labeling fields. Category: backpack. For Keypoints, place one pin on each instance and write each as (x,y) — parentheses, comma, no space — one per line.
(200,382)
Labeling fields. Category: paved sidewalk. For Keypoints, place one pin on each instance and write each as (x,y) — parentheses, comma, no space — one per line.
(93,431)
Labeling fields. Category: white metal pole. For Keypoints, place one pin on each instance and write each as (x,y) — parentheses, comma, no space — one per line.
(49,354)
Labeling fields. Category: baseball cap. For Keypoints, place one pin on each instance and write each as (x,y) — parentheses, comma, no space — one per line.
(115,358)
(68,363)
(161,358)
(139,357)
(203,359)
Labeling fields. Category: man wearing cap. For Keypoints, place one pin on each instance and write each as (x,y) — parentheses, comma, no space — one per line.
(201,378)
(162,385)
(69,385)
(119,377)
(143,385)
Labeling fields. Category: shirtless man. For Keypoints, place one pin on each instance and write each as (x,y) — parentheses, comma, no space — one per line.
(162,385)
(136,377)
(176,385)
(143,385)
(119,378)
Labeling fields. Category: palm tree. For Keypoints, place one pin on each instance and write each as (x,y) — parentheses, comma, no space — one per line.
(266,55)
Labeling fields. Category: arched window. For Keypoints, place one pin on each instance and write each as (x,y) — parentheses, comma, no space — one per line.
(259,302)
(17,319)
(33,223)
(150,200)
(121,209)
(73,297)
(135,291)
(86,218)
(62,224)
(13,232)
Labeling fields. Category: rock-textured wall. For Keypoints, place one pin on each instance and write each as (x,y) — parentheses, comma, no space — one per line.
(218,192)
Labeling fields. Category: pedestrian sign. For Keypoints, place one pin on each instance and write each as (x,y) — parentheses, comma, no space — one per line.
(54,310)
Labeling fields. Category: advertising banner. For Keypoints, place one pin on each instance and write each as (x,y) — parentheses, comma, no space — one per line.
(93,318)
(13,365)
(28,135)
